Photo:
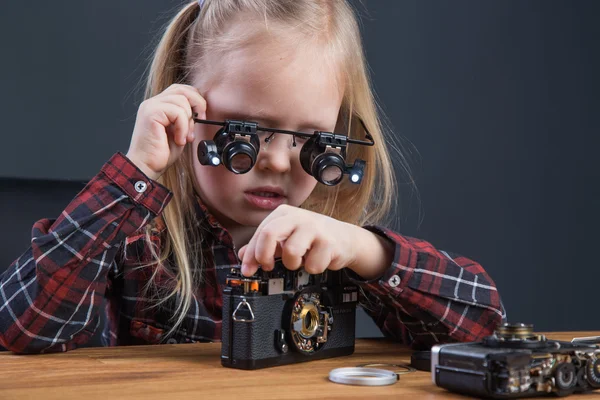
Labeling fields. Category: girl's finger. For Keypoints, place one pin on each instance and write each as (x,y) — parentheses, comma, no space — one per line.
(242,251)
(168,114)
(191,134)
(181,101)
(195,99)
(266,244)
(297,246)
(249,263)
(318,258)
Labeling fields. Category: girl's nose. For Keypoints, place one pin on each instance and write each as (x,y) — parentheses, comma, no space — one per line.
(275,155)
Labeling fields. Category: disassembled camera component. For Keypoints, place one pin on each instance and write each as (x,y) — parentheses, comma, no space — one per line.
(587,339)
(309,322)
(276,286)
(281,317)
(363,376)
(273,282)
(323,155)
(515,362)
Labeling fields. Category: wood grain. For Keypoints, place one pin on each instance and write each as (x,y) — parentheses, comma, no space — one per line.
(194,371)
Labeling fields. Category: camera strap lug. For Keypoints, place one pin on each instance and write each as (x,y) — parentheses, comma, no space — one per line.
(238,308)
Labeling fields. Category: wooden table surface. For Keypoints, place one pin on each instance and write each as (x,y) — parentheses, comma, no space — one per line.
(194,371)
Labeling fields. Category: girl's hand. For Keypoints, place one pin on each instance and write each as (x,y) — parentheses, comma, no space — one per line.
(164,125)
(315,241)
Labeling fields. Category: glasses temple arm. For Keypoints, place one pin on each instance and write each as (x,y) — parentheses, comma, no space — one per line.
(368,135)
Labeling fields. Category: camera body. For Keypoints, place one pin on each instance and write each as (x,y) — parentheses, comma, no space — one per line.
(282,317)
(514,362)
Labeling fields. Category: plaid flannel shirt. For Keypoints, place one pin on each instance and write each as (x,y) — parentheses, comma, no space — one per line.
(53,294)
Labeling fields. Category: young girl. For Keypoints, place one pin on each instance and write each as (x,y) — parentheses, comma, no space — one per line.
(156,232)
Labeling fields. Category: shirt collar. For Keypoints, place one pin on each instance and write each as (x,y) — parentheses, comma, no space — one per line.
(206,220)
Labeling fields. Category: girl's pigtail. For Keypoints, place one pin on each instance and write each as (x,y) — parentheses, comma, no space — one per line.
(180,242)
(169,64)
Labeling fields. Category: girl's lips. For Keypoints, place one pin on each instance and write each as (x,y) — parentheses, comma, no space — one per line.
(266,203)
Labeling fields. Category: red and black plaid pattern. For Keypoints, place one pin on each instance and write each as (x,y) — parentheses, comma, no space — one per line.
(52,296)
(429,296)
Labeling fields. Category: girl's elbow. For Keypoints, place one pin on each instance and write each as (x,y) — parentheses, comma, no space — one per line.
(23,344)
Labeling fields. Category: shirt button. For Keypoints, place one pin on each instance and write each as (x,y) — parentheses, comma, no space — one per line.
(140,186)
(394,281)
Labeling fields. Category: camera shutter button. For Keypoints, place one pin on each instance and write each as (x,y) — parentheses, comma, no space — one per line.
(394,281)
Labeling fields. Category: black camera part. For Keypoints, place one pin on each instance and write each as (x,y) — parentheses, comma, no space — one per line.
(281,317)
(514,362)
(421,360)
(236,145)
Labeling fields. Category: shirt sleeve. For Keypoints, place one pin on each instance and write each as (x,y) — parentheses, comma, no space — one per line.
(428,296)
(52,293)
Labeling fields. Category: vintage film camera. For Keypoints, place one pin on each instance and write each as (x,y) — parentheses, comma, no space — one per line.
(283,317)
(514,362)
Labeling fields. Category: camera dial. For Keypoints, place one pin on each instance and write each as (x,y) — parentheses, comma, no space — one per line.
(518,335)
(517,331)
(592,372)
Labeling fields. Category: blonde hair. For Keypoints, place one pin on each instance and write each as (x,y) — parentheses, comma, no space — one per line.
(194,33)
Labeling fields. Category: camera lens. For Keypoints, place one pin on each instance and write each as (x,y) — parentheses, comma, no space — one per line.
(311,320)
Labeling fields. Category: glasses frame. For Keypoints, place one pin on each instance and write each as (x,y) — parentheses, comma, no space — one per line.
(321,151)
(273,131)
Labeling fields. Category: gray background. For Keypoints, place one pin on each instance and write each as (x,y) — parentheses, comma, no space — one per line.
(496,102)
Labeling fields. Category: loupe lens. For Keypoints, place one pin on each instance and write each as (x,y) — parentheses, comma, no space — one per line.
(331,174)
(241,163)
(328,168)
(239,157)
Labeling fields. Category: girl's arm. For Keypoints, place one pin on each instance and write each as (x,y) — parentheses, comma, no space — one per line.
(51,294)
(427,296)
